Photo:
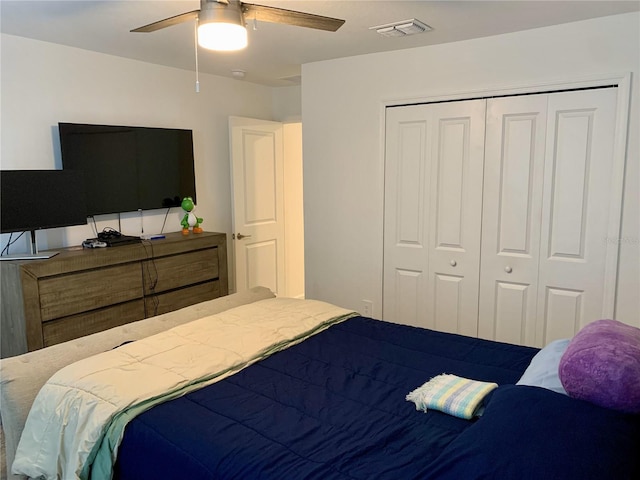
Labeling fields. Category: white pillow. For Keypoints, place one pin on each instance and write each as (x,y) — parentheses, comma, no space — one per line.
(543,369)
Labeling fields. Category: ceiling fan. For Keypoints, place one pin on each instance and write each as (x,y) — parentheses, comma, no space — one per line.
(221,23)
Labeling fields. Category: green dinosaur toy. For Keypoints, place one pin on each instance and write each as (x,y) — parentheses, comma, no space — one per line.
(190,220)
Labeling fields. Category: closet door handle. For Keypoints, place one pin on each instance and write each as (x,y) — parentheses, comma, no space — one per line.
(508,269)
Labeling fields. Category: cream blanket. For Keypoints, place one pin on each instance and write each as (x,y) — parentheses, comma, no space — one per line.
(77,420)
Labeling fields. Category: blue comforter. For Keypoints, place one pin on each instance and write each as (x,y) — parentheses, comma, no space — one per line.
(333,407)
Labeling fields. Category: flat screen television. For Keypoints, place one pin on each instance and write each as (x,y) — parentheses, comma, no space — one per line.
(39,199)
(130,168)
(32,200)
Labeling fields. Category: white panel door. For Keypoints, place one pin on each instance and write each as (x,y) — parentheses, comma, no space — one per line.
(575,213)
(512,209)
(258,203)
(455,211)
(433,200)
(406,254)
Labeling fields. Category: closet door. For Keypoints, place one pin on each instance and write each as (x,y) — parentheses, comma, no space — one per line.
(512,211)
(578,181)
(455,213)
(548,174)
(433,198)
(406,255)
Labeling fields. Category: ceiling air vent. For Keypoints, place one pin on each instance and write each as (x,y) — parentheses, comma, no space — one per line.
(401,29)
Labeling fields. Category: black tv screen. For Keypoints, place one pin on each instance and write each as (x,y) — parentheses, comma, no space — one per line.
(38,199)
(130,168)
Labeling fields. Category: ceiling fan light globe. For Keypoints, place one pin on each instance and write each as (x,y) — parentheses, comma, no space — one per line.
(222,36)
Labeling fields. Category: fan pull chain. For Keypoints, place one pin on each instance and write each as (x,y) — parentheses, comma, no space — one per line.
(196,48)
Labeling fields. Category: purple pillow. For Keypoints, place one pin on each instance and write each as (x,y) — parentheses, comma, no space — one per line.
(602,365)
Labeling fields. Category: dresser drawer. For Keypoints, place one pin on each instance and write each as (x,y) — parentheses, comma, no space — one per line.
(168,273)
(74,326)
(65,295)
(169,301)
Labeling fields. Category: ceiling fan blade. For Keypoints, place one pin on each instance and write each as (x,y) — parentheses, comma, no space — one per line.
(290,17)
(168,22)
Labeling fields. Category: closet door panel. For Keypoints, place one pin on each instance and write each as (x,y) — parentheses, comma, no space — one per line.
(563,313)
(406,253)
(455,206)
(510,302)
(576,205)
(447,307)
(408,296)
(512,208)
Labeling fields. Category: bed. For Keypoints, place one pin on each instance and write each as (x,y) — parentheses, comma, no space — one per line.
(334,405)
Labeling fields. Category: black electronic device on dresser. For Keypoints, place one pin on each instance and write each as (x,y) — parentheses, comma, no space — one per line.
(121,240)
(113,238)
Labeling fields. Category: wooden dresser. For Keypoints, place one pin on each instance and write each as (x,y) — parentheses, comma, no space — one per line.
(83,291)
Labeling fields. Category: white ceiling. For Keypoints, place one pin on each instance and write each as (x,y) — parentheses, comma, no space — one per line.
(276,52)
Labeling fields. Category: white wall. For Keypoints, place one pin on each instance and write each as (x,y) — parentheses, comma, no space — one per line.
(287,104)
(343,127)
(44,83)
(293,210)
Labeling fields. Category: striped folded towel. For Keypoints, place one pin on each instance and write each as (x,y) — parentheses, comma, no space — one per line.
(457,396)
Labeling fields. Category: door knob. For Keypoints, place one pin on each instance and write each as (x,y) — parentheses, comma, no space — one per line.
(241,236)
(508,269)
